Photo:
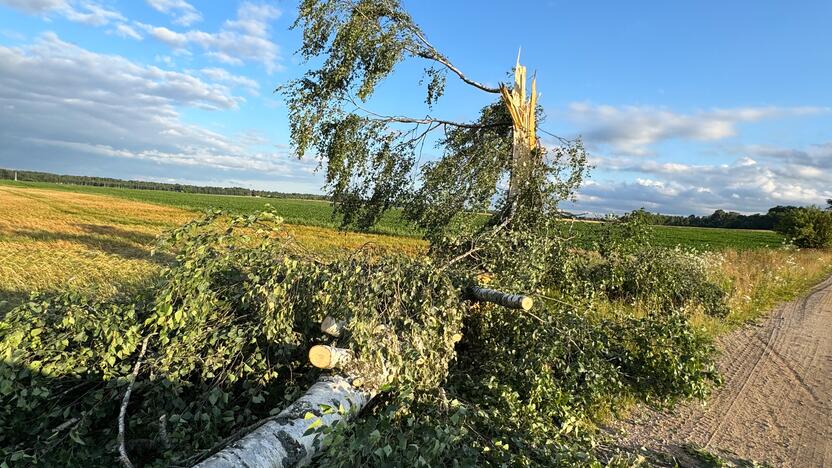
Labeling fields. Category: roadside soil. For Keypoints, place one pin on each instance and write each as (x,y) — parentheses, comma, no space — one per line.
(774,408)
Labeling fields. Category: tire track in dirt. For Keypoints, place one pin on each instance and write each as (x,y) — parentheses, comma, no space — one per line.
(775,405)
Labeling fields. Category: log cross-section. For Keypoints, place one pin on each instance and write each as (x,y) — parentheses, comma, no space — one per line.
(329,357)
(512,301)
(282,441)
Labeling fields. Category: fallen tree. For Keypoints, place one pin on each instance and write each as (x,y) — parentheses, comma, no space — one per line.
(289,439)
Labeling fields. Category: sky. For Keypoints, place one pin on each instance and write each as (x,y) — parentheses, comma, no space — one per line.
(684,107)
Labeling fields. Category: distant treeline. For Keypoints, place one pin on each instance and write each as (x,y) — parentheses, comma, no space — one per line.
(32,176)
(722,219)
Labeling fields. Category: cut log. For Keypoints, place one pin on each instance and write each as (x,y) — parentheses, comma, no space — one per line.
(512,301)
(333,327)
(329,357)
(280,442)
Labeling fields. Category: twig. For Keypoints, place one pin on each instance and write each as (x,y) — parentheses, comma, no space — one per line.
(558,301)
(65,425)
(122,449)
(163,431)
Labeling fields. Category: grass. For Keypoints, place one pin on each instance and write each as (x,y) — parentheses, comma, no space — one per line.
(57,237)
(760,279)
(54,241)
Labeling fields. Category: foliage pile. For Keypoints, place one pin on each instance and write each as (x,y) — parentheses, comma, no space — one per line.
(229,325)
(627,268)
(526,389)
(228,329)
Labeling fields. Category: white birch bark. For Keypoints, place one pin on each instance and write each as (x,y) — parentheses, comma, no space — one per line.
(333,327)
(280,442)
(512,301)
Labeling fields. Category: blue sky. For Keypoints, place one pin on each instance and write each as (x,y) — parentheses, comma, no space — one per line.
(685,107)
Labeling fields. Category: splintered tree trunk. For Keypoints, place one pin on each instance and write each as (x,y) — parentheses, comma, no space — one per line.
(280,442)
(524,139)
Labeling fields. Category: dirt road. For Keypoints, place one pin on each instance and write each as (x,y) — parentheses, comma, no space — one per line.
(775,406)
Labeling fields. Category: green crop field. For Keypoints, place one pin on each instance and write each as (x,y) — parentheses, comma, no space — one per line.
(715,238)
(703,239)
(319,213)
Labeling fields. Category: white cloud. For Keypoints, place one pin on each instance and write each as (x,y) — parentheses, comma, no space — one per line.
(35,7)
(631,130)
(183,12)
(126,31)
(746,185)
(223,76)
(71,104)
(86,12)
(244,39)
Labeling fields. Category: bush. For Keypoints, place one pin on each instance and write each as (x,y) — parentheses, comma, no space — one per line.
(808,227)
(659,278)
(623,266)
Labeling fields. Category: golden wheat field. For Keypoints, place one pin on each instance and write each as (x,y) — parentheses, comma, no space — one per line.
(53,241)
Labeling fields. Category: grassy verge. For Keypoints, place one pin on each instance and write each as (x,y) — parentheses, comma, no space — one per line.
(757,280)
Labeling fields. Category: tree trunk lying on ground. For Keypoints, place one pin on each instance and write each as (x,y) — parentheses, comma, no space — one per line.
(281,442)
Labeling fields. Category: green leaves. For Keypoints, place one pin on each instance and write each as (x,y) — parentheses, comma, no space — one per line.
(808,227)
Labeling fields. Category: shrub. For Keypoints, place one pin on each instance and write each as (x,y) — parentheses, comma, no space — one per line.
(808,227)
(659,278)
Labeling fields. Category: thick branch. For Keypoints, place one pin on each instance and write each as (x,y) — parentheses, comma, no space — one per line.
(431,120)
(436,57)
(433,54)
(329,357)
(512,301)
(426,120)
(333,327)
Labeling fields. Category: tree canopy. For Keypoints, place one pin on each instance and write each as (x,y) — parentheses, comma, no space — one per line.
(371,159)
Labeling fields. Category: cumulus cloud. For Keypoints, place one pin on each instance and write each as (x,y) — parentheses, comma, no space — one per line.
(244,39)
(86,12)
(67,105)
(183,13)
(631,130)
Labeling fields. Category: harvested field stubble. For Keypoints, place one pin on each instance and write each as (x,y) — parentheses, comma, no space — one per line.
(57,241)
